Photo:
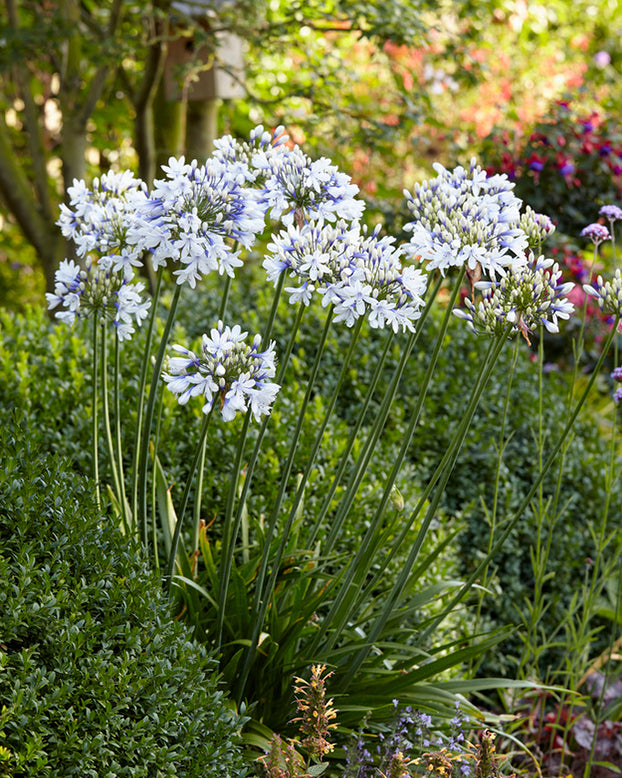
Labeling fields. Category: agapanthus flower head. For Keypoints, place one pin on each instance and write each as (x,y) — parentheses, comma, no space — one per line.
(358,272)
(96,290)
(536,226)
(466,218)
(378,285)
(611,212)
(192,214)
(596,232)
(608,294)
(98,217)
(227,368)
(256,154)
(521,300)
(300,189)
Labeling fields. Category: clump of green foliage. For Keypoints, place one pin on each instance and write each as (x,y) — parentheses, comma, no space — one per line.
(96,679)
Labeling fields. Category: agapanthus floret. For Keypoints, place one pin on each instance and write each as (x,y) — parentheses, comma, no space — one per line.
(300,189)
(608,294)
(96,290)
(98,218)
(521,300)
(611,212)
(596,232)
(190,216)
(256,153)
(536,226)
(227,368)
(465,218)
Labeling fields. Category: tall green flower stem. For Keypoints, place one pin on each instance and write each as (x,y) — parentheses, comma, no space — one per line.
(226,289)
(381,417)
(119,489)
(263,594)
(534,487)
(340,608)
(232,526)
(168,579)
(492,514)
(151,400)
(285,473)
(125,507)
(141,397)
(95,419)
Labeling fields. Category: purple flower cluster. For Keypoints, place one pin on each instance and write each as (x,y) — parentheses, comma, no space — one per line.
(617,376)
(596,232)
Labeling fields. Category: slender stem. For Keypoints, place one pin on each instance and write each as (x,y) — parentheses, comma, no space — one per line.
(153,392)
(438,481)
(225,297)
(534,487)
(231,526)
(128,520)
(95,426)
(184,500)
(141,395)
(108,429)
(260,604)
(381,417)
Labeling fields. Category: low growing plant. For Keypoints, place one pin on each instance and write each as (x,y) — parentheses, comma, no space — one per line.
(96,679)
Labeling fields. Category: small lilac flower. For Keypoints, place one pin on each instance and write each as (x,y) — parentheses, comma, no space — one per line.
(617,395)
(97,290)
(596,232)
(228,368)
(617,374)
(602,59)
(611,212)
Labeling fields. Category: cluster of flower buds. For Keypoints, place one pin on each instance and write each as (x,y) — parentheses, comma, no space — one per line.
(520,300)
(608,294)
(536,226)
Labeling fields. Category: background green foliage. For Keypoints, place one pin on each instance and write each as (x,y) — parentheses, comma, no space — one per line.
(95,677)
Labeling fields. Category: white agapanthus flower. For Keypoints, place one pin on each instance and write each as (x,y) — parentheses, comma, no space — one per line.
(227,369)
(96,290)
(466,218)
(98,218)
(300,189)
(358,272)
(192,216)
(521,300)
